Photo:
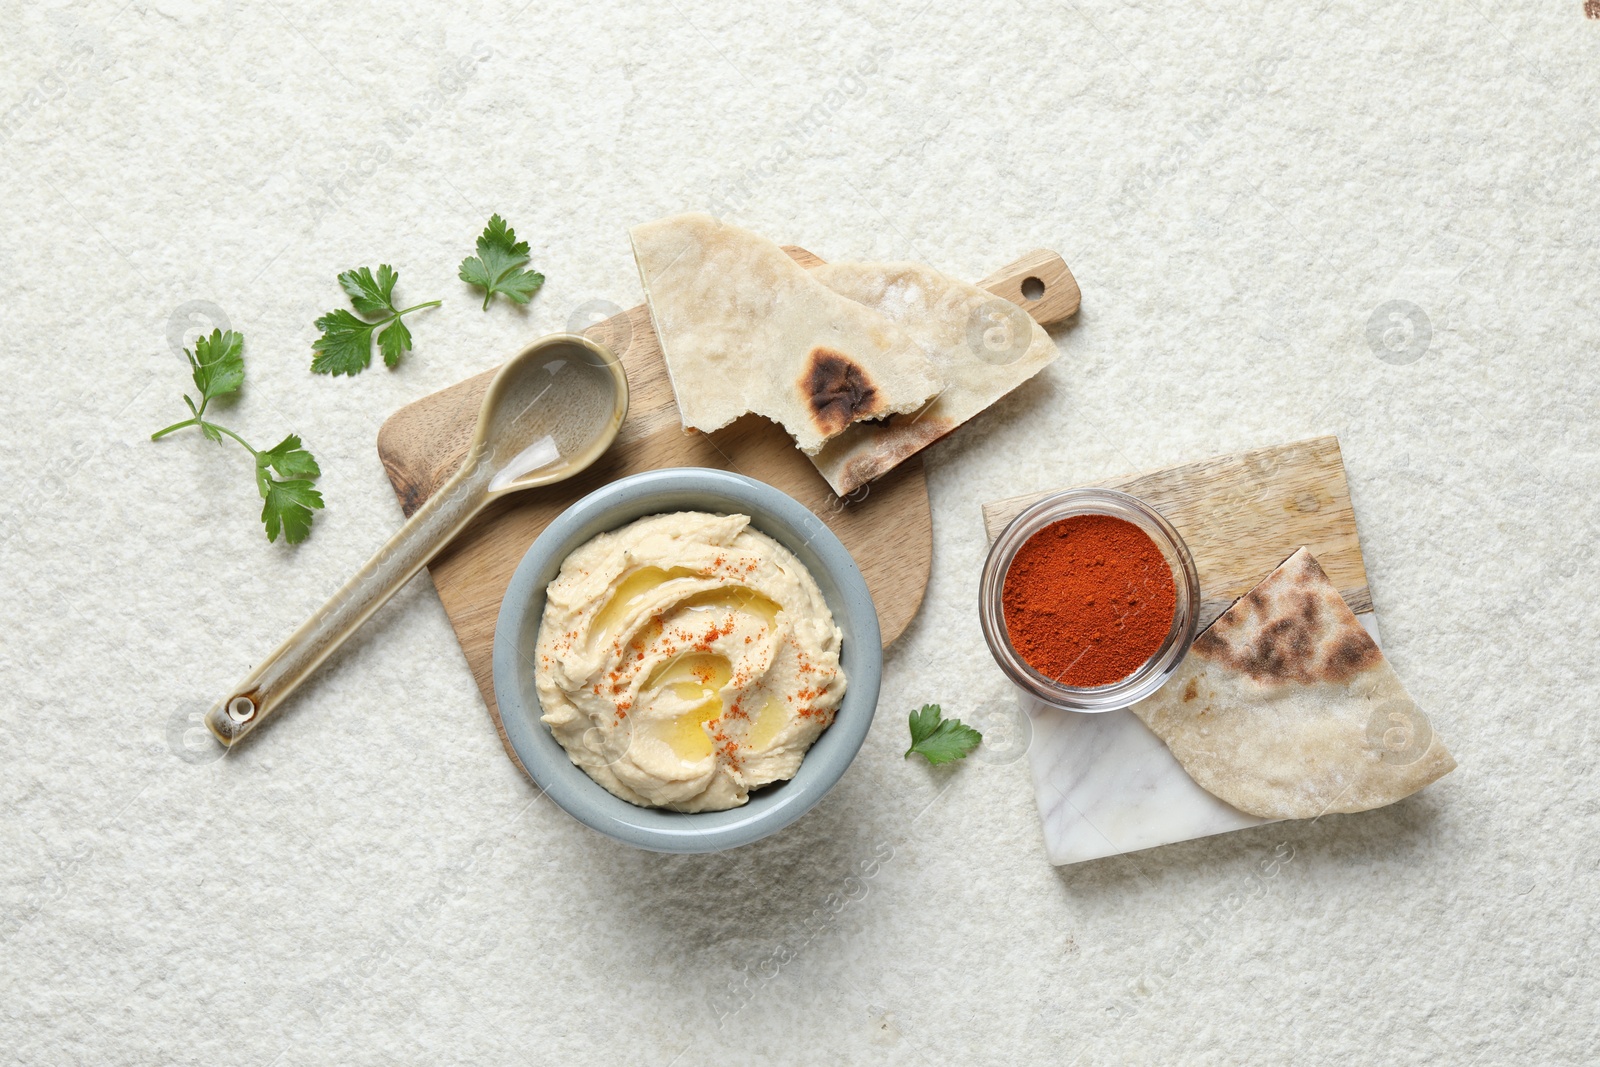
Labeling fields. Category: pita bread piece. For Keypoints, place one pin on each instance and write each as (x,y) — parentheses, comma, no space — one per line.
(1286,709)
(983,347)
(745,328)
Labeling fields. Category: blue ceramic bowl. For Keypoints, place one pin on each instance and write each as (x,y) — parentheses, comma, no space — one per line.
(775,514)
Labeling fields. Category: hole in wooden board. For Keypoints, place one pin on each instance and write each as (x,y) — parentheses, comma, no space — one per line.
(1032,288)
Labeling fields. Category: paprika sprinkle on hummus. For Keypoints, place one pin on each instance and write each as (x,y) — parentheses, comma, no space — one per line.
(1088,600)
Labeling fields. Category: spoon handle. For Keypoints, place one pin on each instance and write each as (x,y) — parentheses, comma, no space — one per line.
(424,534)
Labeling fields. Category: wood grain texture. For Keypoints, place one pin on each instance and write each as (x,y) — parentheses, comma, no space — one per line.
(886,526)
(1057,297)
(1243,514)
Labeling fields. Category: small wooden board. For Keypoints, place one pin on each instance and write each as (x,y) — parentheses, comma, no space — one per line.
(886,526)
(1243,514)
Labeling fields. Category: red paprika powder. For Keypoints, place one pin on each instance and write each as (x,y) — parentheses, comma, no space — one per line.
(1088,599)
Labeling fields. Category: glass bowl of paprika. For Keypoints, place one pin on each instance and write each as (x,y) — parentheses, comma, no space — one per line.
(1089,600)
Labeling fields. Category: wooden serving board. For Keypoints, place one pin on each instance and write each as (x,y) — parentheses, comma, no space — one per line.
(886,526)
(1242,514)
(1105,784)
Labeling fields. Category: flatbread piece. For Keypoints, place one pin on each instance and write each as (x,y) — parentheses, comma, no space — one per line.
(1286,709)
(745,328)
(981,345)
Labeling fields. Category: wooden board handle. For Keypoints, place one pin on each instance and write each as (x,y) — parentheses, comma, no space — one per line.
(1040,284)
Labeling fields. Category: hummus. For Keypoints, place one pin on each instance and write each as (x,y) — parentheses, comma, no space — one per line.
(686,659)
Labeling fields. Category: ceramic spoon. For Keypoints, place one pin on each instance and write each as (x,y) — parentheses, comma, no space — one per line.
(550,411)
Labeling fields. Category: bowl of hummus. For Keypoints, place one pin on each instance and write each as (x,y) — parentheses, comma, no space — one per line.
(687,660)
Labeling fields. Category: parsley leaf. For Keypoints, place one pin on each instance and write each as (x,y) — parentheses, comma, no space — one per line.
(497,268)
(289,459)
(394,342)
(345,346)
(940,740)
(217,363)
(371,296)
(288,505)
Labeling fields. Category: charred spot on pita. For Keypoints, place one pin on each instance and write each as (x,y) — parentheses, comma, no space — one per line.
(1310,609)
(1352,654)
(1213,641)
(837,390)
(1280,652)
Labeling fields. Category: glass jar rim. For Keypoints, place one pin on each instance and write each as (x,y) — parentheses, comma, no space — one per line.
(1155,671)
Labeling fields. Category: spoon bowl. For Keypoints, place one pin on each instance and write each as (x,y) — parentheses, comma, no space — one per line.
(553,410)
(550,411)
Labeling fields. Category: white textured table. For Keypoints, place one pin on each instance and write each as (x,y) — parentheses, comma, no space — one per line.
(1242,195)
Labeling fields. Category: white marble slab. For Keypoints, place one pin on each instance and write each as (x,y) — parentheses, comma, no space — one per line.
(1106,785)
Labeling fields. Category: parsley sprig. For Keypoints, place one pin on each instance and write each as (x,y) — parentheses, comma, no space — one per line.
(497,268)
(217,366)
(940,740)
(345,346)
